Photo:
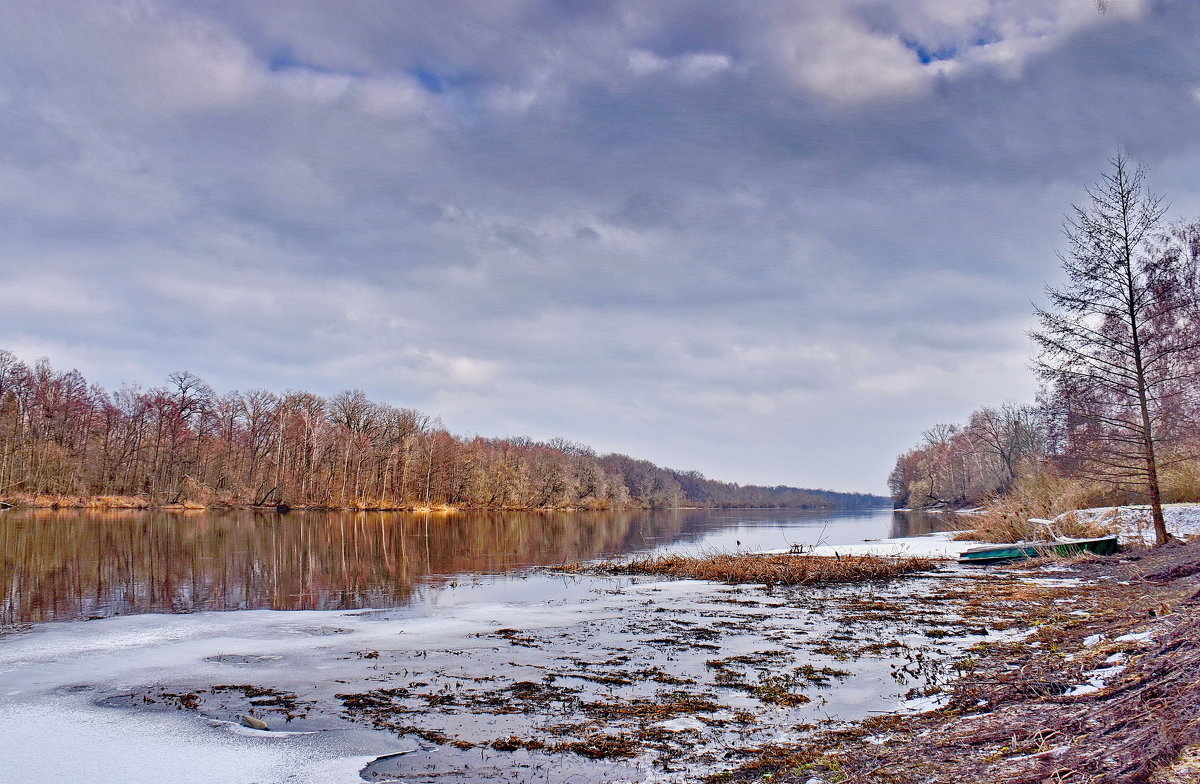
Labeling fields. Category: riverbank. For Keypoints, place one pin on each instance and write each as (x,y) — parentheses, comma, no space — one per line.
(1102,686)
(1005,523)
(101,502)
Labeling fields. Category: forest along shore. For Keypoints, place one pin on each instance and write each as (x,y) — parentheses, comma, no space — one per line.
(42,501)
(186,445)
(1103,685)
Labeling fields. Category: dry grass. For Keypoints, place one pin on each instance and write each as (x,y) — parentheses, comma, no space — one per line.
(117,502)
(185,504)
(1181,482)
(765,569)
(42,501)
(384,505)
(1043,495)
(1006,524)
(196,498)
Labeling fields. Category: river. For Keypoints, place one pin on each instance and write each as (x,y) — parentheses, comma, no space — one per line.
(384,646)
(75,565)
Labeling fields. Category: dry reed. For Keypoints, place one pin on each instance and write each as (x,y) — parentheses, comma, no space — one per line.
(766,569)
(1040,495)
(43,501)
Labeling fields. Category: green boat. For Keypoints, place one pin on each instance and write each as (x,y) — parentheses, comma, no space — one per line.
(1019,551)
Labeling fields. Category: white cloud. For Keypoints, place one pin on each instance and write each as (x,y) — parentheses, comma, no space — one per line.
(841,60)
(687,67)
(854,52)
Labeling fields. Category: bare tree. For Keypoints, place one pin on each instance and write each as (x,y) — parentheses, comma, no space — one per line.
(1108,346)
(1008,436)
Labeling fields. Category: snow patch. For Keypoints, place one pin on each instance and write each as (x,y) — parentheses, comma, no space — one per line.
(1096,680)
(938,545)
(681,724)
(1133,523)
(1140,637)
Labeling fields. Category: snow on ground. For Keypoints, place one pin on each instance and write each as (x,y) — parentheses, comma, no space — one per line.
(1095,680)
(938,545)
(1141,637)
(1133,522)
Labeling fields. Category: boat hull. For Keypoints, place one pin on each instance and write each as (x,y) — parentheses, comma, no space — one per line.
(1007,553)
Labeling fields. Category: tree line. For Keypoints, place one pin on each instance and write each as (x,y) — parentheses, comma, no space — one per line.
(1118,356)
(183,443)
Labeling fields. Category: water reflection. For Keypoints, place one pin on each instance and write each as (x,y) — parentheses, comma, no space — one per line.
(62,565)
(913,523)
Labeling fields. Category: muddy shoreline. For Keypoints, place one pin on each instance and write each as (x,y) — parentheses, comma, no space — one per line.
(1105,688)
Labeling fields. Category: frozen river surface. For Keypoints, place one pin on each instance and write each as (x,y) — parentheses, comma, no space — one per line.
(513,674)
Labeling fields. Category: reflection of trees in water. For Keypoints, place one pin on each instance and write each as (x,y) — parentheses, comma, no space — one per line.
(920,523)
(59,565)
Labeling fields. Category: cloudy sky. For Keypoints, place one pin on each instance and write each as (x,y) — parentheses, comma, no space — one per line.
(771,241)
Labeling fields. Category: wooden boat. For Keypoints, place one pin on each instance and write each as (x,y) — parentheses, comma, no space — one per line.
(1006,553)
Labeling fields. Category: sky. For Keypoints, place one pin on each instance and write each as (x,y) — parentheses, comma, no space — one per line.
(770,241)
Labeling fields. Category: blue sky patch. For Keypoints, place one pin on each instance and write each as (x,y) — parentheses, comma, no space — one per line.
(927,55)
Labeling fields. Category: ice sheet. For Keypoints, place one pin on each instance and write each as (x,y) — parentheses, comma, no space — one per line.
(66,738)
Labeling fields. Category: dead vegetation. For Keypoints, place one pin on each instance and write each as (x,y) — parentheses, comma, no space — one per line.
(199,498)
(1018,715)
(1043,495)
(43,501)
(610,728)
(224,702)
(1004,521)
(769,570)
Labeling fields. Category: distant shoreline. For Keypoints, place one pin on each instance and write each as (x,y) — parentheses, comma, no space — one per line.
(136,503)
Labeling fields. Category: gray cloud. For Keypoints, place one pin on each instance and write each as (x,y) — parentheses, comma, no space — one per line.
(768,240)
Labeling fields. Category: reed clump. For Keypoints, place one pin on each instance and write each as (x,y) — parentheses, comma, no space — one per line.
(770,570)
(1042,495)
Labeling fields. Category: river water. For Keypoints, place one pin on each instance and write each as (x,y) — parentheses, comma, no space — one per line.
(70,565)
(394,647)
